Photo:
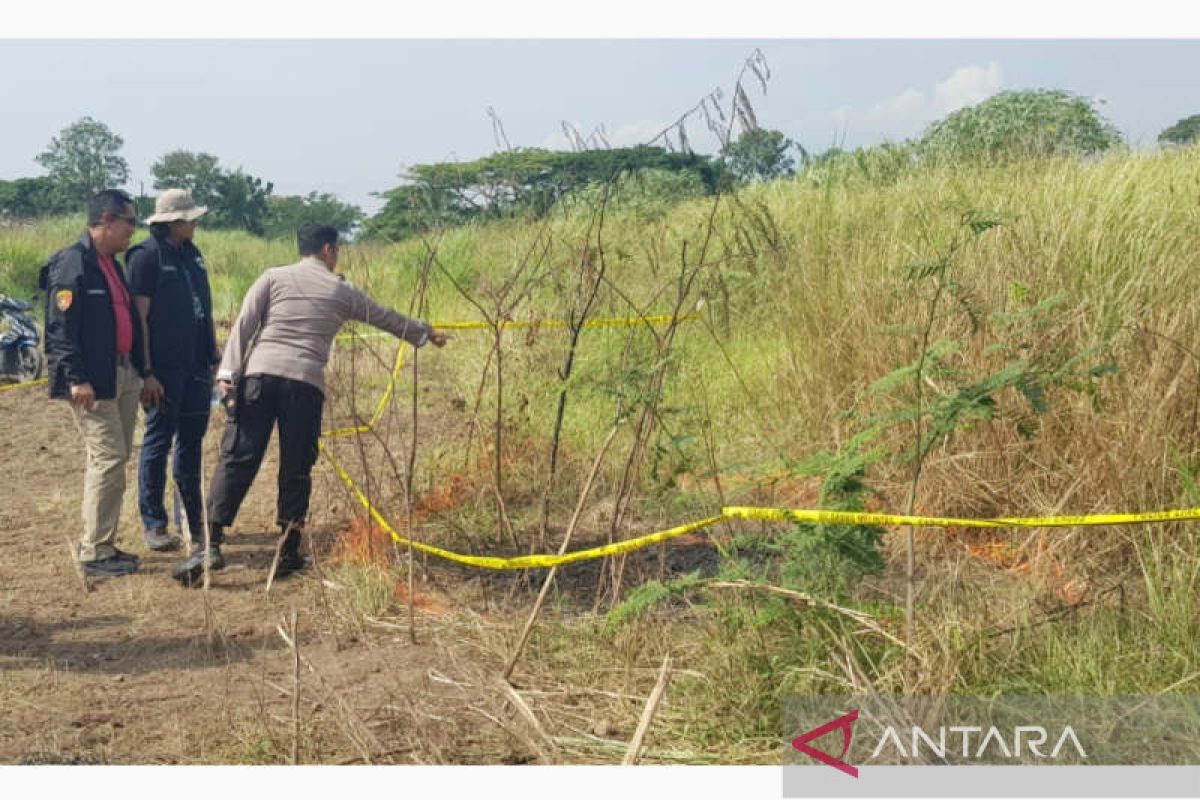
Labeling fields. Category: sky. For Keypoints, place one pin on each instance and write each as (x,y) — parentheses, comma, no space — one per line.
(347,115)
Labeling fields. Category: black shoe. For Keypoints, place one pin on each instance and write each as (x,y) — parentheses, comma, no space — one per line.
(121,555)
(160,540)
(112,567)
(291,563)
(189,571)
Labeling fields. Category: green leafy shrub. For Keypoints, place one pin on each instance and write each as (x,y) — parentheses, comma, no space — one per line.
(1038,122)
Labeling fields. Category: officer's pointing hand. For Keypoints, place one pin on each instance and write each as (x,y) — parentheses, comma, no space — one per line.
(438,338)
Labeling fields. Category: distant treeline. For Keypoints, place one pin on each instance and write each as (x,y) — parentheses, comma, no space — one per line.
(85,157)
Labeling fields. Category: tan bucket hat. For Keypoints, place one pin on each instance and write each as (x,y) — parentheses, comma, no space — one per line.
(176,204)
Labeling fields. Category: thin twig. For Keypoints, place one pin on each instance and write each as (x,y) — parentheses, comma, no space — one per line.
(541,598)
(292,640)
(72,554)
(526,712)
(660,686)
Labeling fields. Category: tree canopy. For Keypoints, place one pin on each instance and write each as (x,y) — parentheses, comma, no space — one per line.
(234,199)
(516,182)
(286,214)
(1033,122)
(85,158)
(760,155)
(1185,131)
(24,198)
(196,172)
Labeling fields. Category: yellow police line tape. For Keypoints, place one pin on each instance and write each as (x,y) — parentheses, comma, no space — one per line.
(870,518)
(748,512)
(609,322)
(11,386)
(377,414)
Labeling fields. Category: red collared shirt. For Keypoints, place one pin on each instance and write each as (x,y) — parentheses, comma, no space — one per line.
(120,300)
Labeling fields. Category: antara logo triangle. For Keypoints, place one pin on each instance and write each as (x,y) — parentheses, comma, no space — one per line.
(845,723)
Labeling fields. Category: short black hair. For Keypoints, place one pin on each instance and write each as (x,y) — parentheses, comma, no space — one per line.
(108,201)
(312,236)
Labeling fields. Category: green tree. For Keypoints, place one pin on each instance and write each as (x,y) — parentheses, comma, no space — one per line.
(760,155)
(24,198)
(196,172)
(527,181)
(1021,123)
(287,213)
(84,158)
(1185,131)
(240,201)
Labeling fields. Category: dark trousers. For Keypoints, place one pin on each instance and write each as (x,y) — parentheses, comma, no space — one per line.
(182,419)
(262,401)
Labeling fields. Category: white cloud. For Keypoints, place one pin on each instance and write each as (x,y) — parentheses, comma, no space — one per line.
(908,112)
(966,87)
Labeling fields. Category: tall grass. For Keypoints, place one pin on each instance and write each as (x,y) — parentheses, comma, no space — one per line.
(806,307)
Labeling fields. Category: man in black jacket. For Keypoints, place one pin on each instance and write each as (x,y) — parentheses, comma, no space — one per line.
(94,352)
(174,303)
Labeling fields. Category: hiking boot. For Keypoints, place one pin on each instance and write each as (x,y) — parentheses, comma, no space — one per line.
(189,571)
(113,567)
(291,563)
(160,540)
(121,555)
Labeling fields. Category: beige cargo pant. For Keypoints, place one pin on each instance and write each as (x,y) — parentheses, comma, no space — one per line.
(107,432)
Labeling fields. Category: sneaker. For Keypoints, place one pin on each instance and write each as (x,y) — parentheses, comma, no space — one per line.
(113,567)
(290,563)
(191,569)
(160,540)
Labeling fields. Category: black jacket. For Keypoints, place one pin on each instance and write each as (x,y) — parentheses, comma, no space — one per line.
(181,319)
(81,332)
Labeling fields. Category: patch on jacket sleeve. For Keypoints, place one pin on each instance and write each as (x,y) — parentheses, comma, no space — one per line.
(63,299)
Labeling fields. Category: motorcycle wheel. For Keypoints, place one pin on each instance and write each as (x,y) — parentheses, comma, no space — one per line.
(29,363)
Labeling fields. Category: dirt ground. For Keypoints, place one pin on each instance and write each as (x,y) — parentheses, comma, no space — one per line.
(139,670)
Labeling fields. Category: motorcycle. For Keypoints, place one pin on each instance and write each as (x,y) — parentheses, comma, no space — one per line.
(20,360)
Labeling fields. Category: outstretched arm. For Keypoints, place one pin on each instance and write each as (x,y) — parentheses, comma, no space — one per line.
(414,331)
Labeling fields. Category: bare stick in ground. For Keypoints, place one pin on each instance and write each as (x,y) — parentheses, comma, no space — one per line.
(418,302)
(83,578)
(293,642)
(210,629)
(526,713)
(541,598)
(635,744)
(276,556)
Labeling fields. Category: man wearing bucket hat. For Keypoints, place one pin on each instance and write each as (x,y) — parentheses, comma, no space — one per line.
(170,287)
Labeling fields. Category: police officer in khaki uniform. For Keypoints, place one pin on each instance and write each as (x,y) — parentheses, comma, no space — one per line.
(93,346)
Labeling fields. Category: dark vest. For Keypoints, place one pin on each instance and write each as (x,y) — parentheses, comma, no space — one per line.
(180,319)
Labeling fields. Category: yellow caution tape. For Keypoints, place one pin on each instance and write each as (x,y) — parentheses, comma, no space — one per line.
(377,415)
(10,387)
(517,562)
(745,512)
(380,407)
(867,518)
(815,516)
(476,325)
